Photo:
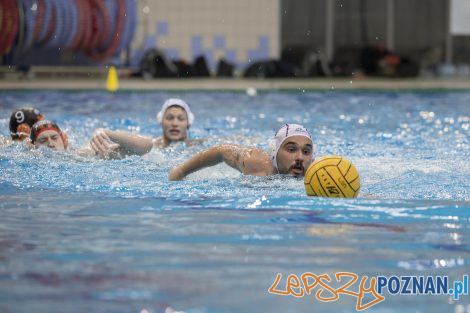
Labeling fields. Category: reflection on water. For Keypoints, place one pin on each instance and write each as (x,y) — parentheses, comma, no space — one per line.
(87,235)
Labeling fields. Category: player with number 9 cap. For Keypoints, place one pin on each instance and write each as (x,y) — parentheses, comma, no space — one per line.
(21,122)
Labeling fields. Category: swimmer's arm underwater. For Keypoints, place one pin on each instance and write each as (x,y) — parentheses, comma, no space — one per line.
(249,161)
(103,140)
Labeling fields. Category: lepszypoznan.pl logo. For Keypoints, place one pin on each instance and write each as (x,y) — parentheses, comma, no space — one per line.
(403,285)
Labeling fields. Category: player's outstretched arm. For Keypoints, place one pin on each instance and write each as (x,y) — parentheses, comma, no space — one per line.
(103,140)
(249,161)
(228,153)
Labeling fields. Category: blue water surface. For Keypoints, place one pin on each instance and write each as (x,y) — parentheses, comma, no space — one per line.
(89,235)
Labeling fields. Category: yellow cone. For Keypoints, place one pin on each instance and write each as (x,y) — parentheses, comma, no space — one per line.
(112,82)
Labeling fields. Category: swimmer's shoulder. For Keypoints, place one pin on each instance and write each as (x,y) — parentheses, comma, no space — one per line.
(158,143)
(255,153)
(256,162)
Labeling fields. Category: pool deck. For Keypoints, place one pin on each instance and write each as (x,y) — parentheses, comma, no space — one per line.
(237,84)
(60,78)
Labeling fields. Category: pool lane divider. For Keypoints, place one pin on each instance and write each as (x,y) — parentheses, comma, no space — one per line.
(9,25)
(99,29)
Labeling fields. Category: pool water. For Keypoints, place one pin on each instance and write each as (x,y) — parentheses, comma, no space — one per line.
(88,235)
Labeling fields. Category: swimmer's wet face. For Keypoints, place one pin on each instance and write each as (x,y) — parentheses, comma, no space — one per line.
(175,123)
(51,139)
(295,155)
(48,134)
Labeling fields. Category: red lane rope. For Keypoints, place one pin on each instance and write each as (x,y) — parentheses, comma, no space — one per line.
(39,20)
(51,26)
(98,34)
(117,36)
(9,25)
(85,36)
(81,25)
(100,23)
(2,24)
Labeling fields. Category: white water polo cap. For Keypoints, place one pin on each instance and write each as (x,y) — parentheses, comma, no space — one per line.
(175,102)
(286,131)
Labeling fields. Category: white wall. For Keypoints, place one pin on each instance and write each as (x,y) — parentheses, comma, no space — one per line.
(460,17)
(241,31)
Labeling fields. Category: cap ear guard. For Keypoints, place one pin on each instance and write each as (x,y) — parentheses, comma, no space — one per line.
(22,129)
(160,117)
(273,151)
(272,147)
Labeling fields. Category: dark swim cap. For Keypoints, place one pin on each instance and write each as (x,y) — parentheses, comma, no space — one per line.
(25,117)
(42,126)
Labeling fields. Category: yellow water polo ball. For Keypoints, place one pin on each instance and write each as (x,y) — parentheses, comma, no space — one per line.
(332,176)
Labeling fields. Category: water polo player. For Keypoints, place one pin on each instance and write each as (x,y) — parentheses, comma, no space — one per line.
(292,152)
(21,122)
(48,134)
(175,118)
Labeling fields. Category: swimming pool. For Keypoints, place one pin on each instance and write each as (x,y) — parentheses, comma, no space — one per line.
(86,235)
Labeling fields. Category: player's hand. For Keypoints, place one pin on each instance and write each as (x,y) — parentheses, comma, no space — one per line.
(102,144)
